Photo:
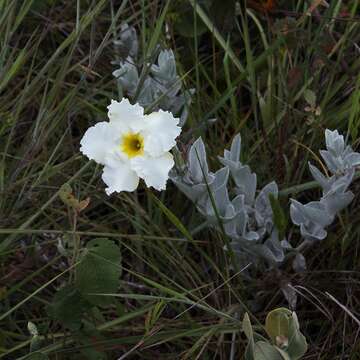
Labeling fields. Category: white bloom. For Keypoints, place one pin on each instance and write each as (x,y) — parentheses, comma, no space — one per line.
(132,146)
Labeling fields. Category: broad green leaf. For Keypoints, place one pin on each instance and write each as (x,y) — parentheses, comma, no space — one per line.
(277,323)
(99,271)
(68,307)
(265,351)
(297,342)
(283,327)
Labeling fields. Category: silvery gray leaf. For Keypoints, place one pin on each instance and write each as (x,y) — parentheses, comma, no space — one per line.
(290,295)
(262,251)
(128,41)
(234,153)
(335,164)
(239,216)
(271,249)
(334,142)
(313,212)
(299,263)
(165,70)
(352,159)
(245,182)
(262,202)
(235,148)
(220,178)
(198,166)
(127,76)
(285,245)
(338,157)
(168,90)
(265,230)
(251,236)
(239,203)
(334,184)
(236,227)
(187,102)
(216,207)
(193,191)
(218,201)
(312,232)
(232,158)
(230,224)
(335,202)
(324,181)
(342,183)
(148,93)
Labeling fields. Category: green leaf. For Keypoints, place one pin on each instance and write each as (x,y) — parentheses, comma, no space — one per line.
(277,323)
(310,97)
(247,328)
(265,351)
(68,307)
(99,271)
(279,217)
(283,327)
(297,342)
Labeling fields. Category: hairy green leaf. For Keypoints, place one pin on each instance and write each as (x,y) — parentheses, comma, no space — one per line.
(68,307)
(99,271)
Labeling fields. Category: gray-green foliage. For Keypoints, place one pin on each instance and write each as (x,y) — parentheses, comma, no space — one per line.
(315,216)
(286,340)
(155,84)
(256,225)
(247,219)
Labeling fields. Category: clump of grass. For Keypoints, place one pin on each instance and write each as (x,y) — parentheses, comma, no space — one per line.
(178,292)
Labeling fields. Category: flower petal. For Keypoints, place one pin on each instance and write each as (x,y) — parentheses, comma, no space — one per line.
(126,116)
(97,141)
(154,170)
(160,132)
(120,178)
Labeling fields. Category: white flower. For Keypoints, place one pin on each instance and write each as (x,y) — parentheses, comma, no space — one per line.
(132,146)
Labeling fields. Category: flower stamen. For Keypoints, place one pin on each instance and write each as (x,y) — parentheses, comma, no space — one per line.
(132,144)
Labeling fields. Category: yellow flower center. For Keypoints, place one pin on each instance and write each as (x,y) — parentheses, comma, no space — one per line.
(132,144)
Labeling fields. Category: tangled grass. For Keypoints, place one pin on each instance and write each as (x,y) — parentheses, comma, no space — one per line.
(179,294)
